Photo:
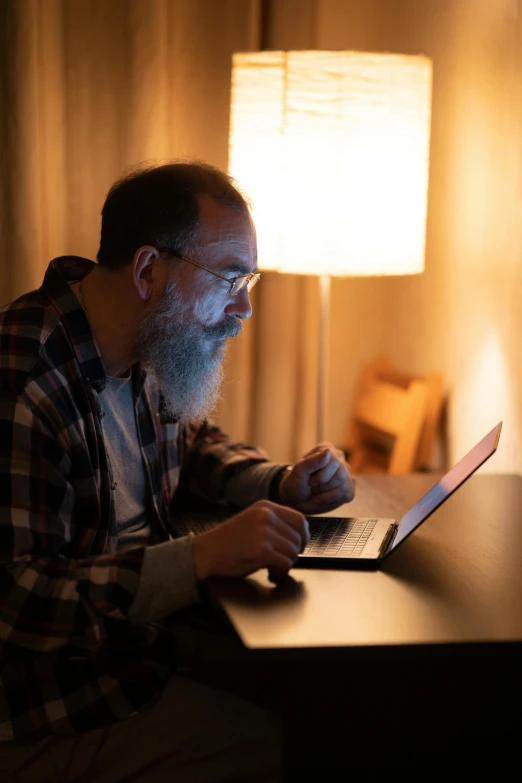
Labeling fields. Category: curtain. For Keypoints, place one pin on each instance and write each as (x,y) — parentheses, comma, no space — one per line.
(89,88)
(92,87)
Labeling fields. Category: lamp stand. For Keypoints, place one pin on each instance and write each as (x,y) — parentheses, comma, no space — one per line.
(322,375)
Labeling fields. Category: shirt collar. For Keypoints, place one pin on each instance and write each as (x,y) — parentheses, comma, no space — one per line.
(55,288)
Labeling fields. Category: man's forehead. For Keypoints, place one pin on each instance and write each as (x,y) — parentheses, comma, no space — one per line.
(220,223)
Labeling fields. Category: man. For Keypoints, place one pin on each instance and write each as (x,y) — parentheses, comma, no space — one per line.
(108,374)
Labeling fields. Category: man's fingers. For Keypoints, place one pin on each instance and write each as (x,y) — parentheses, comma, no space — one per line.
(319,447)
(282,559)
(288,533)
(331,470)
(313,462)
(295,520)
(277,575)
(283,546)
(341,478)
(322,464)
(264,535)
(329,500)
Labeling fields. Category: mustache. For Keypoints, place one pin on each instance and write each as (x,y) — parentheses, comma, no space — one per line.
(230,327)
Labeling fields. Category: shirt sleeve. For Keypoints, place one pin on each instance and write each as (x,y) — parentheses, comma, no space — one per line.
(168,581)
(48,600)
(218,469)
(256,482)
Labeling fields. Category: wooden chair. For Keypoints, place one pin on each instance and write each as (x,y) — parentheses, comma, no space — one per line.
(395,420)
(383,369)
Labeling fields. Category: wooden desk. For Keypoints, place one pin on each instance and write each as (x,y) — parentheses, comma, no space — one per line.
(436,637)
(457,580)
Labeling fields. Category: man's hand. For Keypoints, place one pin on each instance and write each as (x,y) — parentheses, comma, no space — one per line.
(320,481)
(264,535)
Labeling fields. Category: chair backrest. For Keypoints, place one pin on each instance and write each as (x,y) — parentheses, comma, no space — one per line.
(383,369)
(395,420)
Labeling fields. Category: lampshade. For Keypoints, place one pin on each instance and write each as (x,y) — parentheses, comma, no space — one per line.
(333,150)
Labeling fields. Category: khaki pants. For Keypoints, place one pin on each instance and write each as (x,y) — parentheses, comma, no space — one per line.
(194,734)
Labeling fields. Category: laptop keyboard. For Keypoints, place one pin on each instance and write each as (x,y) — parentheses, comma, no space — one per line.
(338,537)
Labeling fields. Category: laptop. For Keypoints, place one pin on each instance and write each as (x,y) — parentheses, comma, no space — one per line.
(345,542)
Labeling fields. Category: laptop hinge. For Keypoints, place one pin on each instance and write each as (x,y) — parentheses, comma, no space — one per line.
(388,540)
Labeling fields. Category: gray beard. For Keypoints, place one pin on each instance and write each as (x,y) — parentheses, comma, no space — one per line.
(185,359)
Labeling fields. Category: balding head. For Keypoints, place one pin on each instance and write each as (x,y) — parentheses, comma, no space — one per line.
(159,206)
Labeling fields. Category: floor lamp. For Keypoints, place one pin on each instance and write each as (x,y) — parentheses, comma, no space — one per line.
(333,150)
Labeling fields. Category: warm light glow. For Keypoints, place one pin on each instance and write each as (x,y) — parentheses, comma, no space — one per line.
(333,149)
(484,393)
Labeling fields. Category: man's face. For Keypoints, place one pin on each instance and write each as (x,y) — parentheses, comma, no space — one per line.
(182,337)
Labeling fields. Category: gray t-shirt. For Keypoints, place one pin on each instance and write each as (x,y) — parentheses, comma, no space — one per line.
(168,580)
(121,440)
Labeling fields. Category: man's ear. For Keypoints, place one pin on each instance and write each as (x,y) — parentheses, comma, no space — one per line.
(144,268)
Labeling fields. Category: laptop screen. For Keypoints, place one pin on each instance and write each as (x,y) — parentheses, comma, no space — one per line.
(447,485)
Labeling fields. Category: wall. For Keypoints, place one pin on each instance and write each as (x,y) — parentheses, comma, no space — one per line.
(462,316)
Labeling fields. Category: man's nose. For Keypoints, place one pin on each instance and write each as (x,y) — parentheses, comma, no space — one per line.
(239,305)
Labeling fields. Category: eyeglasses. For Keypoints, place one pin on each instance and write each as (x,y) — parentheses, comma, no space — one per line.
(237,284)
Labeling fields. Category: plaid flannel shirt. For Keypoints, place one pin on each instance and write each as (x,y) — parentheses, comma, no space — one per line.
(69,659)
